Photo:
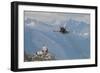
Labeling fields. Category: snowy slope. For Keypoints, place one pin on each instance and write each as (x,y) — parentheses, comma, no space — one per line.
(73,45)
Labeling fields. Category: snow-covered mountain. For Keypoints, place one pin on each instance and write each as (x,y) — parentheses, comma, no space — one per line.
(72,45)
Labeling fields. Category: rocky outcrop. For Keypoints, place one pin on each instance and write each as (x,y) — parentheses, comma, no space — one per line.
(41,55)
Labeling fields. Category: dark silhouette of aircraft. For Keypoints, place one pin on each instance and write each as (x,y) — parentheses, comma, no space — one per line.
(62,30)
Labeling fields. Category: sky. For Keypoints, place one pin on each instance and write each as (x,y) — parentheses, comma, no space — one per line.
(56,17)
(32,18)
(63,46)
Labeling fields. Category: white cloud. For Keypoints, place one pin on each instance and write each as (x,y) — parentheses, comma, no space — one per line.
(31,24)
(84,35)
(56,18)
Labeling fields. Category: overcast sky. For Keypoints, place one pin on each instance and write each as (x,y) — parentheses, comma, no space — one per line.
(56,17)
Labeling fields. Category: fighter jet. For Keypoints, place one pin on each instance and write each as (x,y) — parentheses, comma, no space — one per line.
(62,30)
